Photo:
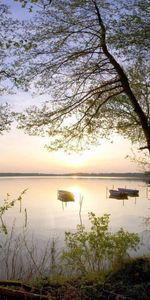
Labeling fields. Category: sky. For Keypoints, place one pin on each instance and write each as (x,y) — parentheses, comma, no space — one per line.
(22,153)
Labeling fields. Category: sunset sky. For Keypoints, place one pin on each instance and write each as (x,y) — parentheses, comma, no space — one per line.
(23,153)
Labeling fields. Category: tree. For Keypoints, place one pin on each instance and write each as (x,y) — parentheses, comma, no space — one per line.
(5,117)
(91,57)
(7,26)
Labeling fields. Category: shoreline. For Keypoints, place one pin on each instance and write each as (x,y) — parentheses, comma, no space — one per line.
(78,174)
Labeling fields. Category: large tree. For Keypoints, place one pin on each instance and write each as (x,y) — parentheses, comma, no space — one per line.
(91,57)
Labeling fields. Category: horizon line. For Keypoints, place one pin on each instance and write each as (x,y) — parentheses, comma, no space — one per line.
(70,173)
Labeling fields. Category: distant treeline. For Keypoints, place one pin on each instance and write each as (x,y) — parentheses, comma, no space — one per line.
(76,174)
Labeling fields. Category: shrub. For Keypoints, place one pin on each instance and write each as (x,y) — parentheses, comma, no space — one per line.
(97,249)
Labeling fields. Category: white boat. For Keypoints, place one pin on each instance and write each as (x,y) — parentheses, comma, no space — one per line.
(130,192)
(118,194)
(65,196)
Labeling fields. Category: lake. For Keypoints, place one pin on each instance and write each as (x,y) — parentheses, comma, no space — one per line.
(47,215)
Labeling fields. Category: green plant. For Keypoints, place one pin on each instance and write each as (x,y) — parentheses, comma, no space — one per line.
(7,204)
(97,249)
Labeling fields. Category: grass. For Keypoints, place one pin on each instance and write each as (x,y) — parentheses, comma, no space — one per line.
(131,281)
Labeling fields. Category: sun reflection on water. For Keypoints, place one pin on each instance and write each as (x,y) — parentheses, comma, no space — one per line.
(76,190)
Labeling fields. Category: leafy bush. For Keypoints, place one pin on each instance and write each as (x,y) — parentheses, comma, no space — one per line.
(97,249)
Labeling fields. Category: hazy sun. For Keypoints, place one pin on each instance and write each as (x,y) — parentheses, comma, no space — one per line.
(74,160)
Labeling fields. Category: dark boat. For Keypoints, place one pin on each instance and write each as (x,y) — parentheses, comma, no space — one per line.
(130,192)
(116,194)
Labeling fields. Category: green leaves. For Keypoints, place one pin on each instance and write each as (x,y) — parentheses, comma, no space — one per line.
(92,251)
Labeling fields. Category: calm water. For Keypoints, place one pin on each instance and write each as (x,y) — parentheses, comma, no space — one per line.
(49,216)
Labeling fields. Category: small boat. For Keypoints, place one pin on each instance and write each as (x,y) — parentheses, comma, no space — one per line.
(118,194)
(65,196)
(130,192)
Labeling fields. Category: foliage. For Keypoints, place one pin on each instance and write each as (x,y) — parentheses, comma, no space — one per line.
(6,118)
(97,249)
(8,27)
(90,57)
(7,204)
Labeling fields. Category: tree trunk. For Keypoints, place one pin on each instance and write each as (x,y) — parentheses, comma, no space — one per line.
(125,83)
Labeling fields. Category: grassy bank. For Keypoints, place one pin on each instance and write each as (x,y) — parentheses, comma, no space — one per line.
(131,281)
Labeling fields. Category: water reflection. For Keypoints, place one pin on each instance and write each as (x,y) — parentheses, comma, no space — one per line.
(45,217)
(45,213)
(76,190)
(123,200)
